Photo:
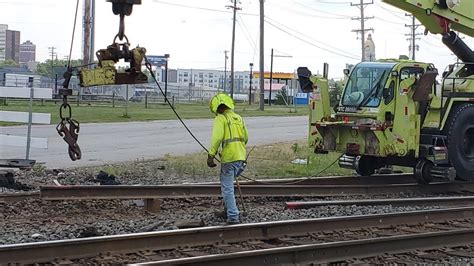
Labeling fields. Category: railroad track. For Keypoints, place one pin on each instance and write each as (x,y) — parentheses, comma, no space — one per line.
(213,190)
(441,201)
(12,197)
(335,252)
(331,180)
(149,245)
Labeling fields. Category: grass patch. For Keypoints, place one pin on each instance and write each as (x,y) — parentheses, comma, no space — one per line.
(103,113)
(269,161)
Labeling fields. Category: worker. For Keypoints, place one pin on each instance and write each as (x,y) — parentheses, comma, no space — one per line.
(229,137)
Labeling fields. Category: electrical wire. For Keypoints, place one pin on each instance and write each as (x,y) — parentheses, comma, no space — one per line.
(201,8)
(73,32)
(310,43)
(254,42)
(246,35)
(148,65)
(349,55)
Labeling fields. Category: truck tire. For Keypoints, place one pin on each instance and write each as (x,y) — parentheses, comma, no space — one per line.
(460,133)
(364,166)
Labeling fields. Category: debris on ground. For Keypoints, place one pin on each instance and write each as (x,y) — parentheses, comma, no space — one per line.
(105,179)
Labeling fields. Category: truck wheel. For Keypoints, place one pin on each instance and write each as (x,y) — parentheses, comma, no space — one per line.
(423,171)
(460,132)
(364,166)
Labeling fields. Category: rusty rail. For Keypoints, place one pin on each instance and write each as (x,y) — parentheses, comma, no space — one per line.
(87,247)
(13,197)
(331,180)
(331,252)
(444,201)
(177,191)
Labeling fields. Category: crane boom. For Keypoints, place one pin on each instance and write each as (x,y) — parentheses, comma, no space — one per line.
(439,16)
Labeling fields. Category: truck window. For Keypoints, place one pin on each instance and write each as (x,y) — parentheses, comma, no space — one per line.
(408,72)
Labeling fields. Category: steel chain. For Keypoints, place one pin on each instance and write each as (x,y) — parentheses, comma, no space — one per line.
(68,129)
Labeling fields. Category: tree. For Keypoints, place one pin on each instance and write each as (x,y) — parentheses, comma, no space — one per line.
(51,68)
(281,97)
(335,91)
(8,62)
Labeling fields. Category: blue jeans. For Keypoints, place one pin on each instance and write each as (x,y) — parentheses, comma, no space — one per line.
(229,171)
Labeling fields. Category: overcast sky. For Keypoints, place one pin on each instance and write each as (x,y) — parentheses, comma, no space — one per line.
(196,33)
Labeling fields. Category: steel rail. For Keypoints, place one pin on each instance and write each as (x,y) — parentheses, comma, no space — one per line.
(86,247)
(330,180)
(444,201)
(13,197)
(331,252)
(177,191)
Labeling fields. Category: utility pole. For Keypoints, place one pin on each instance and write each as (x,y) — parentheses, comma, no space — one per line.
(86,32)
(271,80)
(362,5)
(262,47)
(271,75)
(250,87)
(225,70)
(167,56)
(235,8)
(92,24)
(52,53)
(413,46)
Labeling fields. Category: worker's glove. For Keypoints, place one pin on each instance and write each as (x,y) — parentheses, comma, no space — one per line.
(210,161)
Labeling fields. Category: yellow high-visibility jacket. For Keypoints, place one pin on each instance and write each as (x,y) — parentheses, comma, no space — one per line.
(229,133)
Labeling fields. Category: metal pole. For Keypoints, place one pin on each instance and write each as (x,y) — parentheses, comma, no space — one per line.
(30,117)
(126,102)
(250,87)
(166,77)
(56,84)
(413,47)
(92,22)
(225,71)
(362,26)
(262,60)
(271,80)
(146,98)
(233,52)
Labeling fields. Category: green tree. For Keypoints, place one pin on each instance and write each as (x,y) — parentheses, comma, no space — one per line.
(335,91)
(281,97)
(50,68)
(8,62)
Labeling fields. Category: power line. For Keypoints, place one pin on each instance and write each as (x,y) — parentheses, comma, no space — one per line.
(413,26)
(340,51)
(319,16)
(201,8)
(308,42)
(247,35)
(362,5)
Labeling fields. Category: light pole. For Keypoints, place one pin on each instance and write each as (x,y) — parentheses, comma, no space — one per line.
(271,75)
(262,47)
(235,8)
(250,87)
(225,71)
(167,56)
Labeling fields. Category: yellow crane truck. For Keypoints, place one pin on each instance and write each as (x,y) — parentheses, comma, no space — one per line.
(395,112)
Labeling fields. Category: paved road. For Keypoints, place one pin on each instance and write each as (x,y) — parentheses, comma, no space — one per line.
(118,142)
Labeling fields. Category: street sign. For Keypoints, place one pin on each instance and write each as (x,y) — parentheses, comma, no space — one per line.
(157,60)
